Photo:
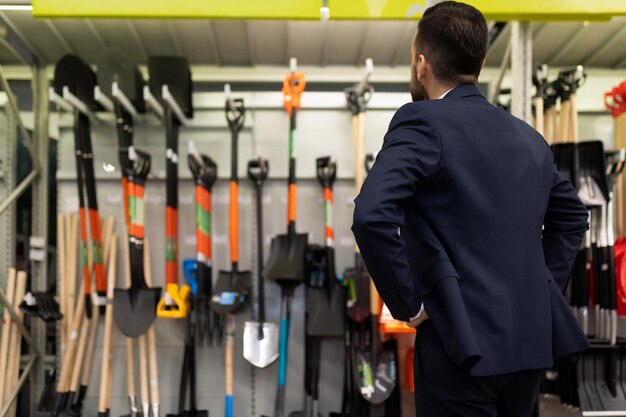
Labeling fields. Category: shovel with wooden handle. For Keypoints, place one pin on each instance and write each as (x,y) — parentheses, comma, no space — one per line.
(135,308)
(155,401)
(13,367)
(130,348)
(107,343)
(540,77)
(260,338)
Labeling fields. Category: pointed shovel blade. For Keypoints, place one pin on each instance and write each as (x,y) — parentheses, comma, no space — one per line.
(260,352)
(134,310)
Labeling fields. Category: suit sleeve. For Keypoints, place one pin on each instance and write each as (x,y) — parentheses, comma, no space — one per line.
(564,227)
(410,155)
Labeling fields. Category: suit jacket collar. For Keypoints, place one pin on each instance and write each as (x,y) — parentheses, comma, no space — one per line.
(464,90)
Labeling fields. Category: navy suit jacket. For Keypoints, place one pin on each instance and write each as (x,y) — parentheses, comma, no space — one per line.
(465,212)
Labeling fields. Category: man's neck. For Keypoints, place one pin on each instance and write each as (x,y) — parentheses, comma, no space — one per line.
(439,90)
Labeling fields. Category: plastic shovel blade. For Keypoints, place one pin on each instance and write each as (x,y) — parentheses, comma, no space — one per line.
(229,290)
(260,352)
(376,385)
(135,310)
(286,260)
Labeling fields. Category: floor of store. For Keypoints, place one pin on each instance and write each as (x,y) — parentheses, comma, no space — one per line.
(552,407)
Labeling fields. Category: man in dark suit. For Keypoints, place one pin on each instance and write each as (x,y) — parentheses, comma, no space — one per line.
(469,232)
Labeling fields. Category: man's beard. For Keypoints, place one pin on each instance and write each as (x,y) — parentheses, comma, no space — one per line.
(418,92)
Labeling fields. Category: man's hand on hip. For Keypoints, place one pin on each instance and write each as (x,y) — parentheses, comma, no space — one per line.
(415,323)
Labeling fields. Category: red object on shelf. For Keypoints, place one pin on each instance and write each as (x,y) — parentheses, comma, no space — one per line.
(620,275)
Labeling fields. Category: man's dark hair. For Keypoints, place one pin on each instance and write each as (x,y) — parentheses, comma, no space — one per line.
(453,37)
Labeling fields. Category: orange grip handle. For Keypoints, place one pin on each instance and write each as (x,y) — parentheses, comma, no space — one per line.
(328,195)
(291,204)
(293,86)
(234,221)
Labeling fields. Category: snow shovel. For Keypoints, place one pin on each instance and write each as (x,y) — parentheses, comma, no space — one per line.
(206,322)
(325,297)
(173,72)
(260,338)
(285,265)
(134,309)
(231,286)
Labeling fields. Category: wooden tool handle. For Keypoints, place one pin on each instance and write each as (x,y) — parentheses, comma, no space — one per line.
(539,115)
(229,355)
(152,355)
(130,351)
(143,369)
(72,261)
(573,118)
(358,126)
(62,279)
(6,332)
(72,345)
(107,343)
(92,335)
(564,122)
(79,362)
(13,366)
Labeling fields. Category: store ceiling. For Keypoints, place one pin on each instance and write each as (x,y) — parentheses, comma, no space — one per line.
(249,43)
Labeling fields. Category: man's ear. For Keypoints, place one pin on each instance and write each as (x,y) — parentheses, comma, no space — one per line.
(422,66)
(484,62)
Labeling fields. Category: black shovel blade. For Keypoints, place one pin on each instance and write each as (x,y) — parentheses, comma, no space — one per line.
(70,71)
(229,291)
(113,67)
(286,261)
(173,71)
(134,310)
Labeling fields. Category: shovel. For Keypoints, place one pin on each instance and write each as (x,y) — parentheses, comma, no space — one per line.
(72,73)
(232,285)
(285,265)
(173,72)
(114,68)
(540,77)
(260,338)
(135,308)
(204,171)
(325,296)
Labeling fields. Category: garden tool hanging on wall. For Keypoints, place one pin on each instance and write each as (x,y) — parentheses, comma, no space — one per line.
(357,278)
(170,83)
(260,338)
(325,296)
(285,265)
(207,323)
(232,286)
(550,119)
(123,85)
(540,77)
(135,308)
